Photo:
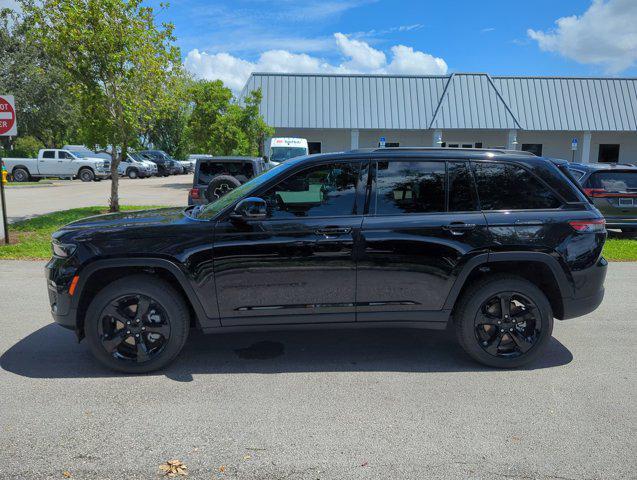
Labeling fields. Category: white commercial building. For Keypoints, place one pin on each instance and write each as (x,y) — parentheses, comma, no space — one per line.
(585,119)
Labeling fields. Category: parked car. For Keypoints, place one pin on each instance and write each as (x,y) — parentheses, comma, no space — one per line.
(165,165)
(613,190)
(188,164)
(216,176)
(58,163)
(136,166)
(492,243)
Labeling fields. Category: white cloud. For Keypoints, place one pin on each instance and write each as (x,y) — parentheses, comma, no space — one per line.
(358,57)
(406,60)
(363,57)
(606,35)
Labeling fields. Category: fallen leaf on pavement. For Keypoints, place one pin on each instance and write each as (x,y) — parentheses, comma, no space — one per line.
(247,457)
(222,468)
(172,468)
(365,463)
(67,474)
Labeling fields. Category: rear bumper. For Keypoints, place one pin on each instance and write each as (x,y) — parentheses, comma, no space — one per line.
(576,307)
(590,286)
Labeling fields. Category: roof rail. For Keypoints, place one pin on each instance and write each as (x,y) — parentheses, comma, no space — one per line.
(445,149)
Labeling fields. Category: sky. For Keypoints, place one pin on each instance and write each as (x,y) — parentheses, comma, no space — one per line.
(228,39)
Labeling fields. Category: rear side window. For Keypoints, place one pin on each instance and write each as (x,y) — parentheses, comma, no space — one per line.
(242,171)
(48,154)
(410,187)
(511,187)
(462,193)
(614,181)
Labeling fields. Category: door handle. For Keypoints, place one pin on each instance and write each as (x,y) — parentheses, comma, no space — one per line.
(331,231)
(459,228)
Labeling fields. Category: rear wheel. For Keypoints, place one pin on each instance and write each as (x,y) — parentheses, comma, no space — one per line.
(20,175)
(137,324)
(86,175)
(503,321)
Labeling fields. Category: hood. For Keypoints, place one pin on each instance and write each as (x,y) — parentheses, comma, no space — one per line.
(142,220)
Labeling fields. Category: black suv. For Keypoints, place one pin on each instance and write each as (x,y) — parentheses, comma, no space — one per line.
(613,190)
(491,242)
(216,176)
(165,164)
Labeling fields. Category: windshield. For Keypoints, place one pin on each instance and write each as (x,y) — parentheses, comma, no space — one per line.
(82,154)
(215,207)
(281,154)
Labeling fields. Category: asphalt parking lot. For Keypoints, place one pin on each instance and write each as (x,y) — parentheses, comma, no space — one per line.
(320,405)
(28,201)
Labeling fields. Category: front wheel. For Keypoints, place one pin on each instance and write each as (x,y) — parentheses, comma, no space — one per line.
(137,324)
(86,175)
(504,321)
(133,173)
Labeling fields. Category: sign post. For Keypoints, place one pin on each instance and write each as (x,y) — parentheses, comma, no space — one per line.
(381,142)
(573,149)
(8,128)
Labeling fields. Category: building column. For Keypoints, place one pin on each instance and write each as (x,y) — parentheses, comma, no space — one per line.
(586,147)
(354,139)
(436,138)
(512,140)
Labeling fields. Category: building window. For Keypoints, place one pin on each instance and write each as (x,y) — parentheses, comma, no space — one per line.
(391,144)
(534,148)
(608,153)
(314,147)
(462,145)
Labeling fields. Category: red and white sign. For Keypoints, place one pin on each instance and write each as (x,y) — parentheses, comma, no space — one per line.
(8,123)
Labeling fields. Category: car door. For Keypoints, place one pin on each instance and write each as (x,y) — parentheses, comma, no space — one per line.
(297,265)
(67,163)
(423,226)
(48,163)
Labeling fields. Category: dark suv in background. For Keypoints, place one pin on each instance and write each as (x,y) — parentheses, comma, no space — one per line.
(493,243)
(166,165)
(612,189)
(216,176)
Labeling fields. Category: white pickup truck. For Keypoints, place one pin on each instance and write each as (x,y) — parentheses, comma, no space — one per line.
(52,162)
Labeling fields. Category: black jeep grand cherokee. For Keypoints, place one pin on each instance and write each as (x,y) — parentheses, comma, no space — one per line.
(494,243)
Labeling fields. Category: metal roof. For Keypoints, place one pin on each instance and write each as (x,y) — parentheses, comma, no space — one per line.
(456,101)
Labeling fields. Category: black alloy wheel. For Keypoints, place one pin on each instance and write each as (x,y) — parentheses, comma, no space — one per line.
(507,325)
(503,321)
(137,324)
(134,328)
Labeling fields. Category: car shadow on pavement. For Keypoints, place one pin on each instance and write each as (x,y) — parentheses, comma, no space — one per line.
(53,352)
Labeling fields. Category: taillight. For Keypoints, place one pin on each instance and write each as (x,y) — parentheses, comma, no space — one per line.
(194,193)
(588,226)
(601,193)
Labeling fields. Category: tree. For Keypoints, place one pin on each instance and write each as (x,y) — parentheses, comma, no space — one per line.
(45,110)
(117,61)
(221,126)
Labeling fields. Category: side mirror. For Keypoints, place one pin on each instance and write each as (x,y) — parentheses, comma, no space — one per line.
(251,208)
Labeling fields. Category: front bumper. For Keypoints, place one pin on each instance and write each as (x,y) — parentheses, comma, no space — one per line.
(102,175)
(59,275)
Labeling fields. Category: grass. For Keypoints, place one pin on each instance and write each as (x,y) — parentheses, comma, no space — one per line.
(31,239)
(621,249)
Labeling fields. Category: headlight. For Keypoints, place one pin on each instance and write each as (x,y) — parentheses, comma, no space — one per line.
(62,250)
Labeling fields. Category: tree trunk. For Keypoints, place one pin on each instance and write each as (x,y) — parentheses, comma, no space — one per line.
(114,200)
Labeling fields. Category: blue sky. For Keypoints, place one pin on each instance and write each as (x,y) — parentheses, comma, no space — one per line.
(227,39)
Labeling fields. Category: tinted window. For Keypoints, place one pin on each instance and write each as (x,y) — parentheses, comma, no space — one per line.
(48,154)
(320,191)
(64,155)
(410,187)
(614,181)
(462,194)
(510,187)
(534,148)
(242,171)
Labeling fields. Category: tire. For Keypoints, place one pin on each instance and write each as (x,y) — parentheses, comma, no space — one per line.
(480,304)
(86,175)
(165,303)
(219,186)
(132,173)
(20,175)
